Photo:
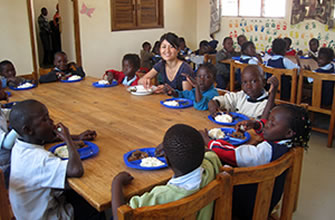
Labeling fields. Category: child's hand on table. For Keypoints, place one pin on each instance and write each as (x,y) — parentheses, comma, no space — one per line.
(123,178)
(246,125)
(213,108)
(87,135)
(110,77)
(205,137)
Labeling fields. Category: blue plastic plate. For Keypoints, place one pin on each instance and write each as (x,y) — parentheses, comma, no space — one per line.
(236,58)
(8,93)
(86,152)
(72,81)
(96,84)
(236,118)
(15,88)
(232,140)
(305,58)
(136,163)
(9,104)
(183,103)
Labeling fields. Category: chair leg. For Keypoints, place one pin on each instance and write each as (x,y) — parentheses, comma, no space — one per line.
(331,130)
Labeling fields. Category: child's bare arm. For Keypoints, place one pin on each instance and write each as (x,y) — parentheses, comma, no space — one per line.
(118,199)
(86,136)
(274,83)
(74,167)
(298,60)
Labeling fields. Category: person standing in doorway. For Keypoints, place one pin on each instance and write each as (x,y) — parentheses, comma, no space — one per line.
(45,32)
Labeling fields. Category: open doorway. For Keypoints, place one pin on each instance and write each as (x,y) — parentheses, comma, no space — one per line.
(66,21)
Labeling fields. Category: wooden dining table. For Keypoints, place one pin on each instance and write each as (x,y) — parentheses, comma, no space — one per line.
(123,122)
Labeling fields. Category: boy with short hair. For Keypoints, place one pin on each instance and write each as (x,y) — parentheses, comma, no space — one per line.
(251,100)
(35,172)
(223,73)
(62,69)
(203,90)
(146,56)
(193,169)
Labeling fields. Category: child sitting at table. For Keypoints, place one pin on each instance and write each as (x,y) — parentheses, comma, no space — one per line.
(223,73)
(289,50)
(128,77)
(193,169)
(7,139)
(8,75)
(325,58)
(251,100)
(288,126)
(279,47)
(184,50)
(36,175)
(203,90)
(313,48)
(146,55)
(249,54)
(62,70)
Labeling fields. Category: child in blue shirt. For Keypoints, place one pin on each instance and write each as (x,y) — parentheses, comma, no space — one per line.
(279,47)
(203,90)
(324,59)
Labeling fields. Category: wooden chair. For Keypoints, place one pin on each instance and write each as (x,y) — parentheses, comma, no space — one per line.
(186,208)
(293,73)
(315,105)
(234,65)
(5,208)
(210,58)
(265,176)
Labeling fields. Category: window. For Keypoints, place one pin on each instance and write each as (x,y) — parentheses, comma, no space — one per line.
(136,14)
(253,8)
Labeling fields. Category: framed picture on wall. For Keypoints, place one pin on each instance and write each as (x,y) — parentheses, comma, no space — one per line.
(320,10)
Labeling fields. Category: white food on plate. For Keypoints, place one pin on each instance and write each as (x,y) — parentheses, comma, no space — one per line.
(171,103)
(74,77)
(62,152)
(151,162)
(216,133)
(103,82)
(25,85)
(224,118)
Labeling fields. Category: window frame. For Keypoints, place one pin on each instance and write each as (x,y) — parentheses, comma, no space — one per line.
(262,12)
(136,10)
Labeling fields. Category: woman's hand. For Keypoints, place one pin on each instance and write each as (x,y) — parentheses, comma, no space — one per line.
(159,89)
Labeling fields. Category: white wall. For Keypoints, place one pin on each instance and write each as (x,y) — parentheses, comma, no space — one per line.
(67,28)
(103,49)
(15,35)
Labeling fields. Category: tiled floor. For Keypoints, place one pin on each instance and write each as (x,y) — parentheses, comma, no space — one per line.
(317,187)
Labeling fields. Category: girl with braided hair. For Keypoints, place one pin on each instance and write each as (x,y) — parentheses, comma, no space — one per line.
(288,126)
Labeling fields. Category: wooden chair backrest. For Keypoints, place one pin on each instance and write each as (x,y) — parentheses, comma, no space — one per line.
(316,90)
(234,65)
(186,208)
(286,72)
(210,58)
(5,208)
(315,105)
(265,176)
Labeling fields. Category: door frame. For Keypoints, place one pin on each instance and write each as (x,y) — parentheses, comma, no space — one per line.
(33,37)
